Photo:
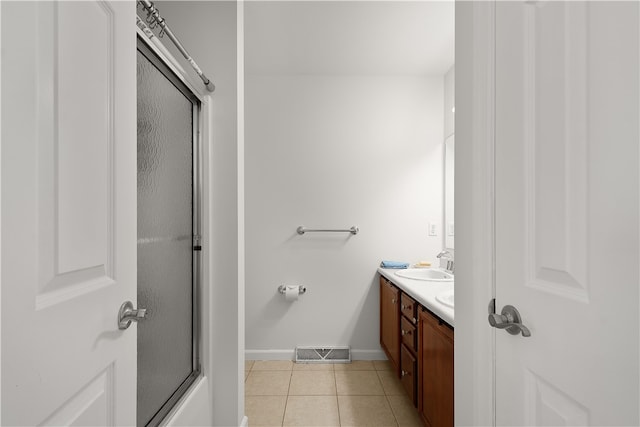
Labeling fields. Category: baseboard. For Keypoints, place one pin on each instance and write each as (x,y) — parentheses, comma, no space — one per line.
(269,354)
(290,354)
(244,422)
(367,354)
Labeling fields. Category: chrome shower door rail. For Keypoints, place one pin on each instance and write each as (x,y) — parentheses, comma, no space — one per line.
(154,19)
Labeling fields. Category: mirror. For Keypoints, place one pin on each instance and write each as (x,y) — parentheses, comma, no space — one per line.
(449,174)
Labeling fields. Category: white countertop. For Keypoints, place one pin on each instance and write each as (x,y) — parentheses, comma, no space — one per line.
(424,292)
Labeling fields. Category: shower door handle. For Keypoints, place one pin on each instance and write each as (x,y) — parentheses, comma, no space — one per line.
(127,314)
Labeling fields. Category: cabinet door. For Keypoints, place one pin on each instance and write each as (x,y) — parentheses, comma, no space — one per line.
(390,321)
(436,367)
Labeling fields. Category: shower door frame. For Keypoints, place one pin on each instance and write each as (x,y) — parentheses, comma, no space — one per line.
(165,68)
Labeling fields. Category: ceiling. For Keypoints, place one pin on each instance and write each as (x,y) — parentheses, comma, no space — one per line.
(349,37)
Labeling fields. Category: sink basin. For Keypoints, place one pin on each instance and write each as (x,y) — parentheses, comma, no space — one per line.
(445,298)
(430,274)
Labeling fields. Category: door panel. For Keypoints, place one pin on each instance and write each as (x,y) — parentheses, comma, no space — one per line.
(75,215)
(68,212)
(567,211)
(80,116)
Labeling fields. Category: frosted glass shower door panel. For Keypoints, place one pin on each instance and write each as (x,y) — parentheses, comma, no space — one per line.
(165,239)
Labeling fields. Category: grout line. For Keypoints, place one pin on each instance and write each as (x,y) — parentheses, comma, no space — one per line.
(395,418)
(335,382)
(286,400)
(284,413)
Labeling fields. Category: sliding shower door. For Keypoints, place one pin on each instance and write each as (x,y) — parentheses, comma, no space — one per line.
(167,229)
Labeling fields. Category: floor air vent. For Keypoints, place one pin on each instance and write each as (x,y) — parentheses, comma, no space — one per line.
(323,355)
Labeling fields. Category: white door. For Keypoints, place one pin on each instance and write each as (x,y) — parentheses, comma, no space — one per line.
(68,212)
(567,152)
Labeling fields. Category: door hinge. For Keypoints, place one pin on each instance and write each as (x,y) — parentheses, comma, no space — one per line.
(196,242)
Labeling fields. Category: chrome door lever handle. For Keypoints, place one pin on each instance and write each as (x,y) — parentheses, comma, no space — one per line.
(127,314)
(509,319)
(497,321)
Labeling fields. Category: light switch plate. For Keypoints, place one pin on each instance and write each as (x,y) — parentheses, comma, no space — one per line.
(433,229)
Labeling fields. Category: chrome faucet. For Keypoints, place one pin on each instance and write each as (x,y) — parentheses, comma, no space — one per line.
(447,256)
(443,254)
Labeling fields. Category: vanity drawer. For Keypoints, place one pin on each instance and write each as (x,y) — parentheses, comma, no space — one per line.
(409,308)
(408,334)
(408,371)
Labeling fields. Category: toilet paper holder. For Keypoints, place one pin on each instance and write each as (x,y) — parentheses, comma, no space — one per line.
(283,289)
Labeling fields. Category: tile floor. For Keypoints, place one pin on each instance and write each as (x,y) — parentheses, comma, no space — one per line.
(362,393)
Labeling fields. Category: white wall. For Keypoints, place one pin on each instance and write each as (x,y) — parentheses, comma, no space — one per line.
(449,101)
(208,30)
(335,151)
(449,162)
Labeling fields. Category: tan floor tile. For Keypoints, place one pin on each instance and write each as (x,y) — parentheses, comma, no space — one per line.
(311,411)
(382,365)
(406,414)
(272,365)
(358,383)
(267,383)
(313,366)
(391,383)
(312,383)
(365,411)
(248,364)
(265,410)
(355,365)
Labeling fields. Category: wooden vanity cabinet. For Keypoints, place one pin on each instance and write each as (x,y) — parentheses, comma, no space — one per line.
(435,364)
(419,345)
(390,322)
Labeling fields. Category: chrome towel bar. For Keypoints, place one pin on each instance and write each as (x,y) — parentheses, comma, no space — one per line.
(302,229)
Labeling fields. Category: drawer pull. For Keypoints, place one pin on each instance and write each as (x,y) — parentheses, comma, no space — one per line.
(403,332)
(406,307)
(404,373)
(393,301)
(414,320)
